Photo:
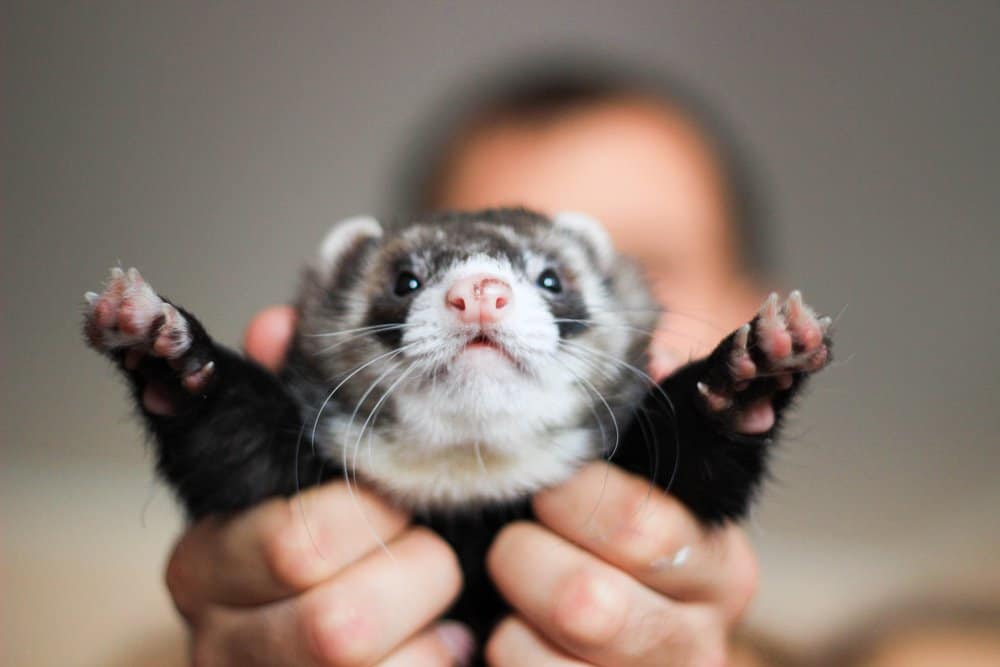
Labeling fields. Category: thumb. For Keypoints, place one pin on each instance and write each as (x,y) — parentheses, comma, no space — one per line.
(269,335)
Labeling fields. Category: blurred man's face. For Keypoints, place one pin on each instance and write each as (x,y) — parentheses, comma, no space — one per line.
(642,170)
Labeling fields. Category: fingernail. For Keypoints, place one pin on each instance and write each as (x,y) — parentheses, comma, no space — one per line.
(680,557)
(459,641)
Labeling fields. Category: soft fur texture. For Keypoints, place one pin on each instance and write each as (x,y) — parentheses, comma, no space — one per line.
(459,422)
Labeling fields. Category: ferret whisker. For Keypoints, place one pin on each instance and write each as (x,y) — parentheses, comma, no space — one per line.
(607,406)
(298,496)
(350,423)
(374,327)
(479,456)
(840,313)
(590,405)
(597,323)
(650,444)
(329,397)
(341,343)
(605,309)
(669,312)
(374,411)
(357,449)
(353,336)
(657,388)
(600,425)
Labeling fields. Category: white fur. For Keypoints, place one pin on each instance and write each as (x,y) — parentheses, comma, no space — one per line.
(343,235)
(592,231)
(462,476)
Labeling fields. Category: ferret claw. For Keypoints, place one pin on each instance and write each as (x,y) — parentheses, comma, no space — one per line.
(196,382)
(769,310)
(742,337)
(716,402)
(793,306)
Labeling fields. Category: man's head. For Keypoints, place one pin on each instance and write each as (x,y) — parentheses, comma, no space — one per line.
(651,163)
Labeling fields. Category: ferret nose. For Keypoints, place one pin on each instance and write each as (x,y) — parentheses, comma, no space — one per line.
(480,299)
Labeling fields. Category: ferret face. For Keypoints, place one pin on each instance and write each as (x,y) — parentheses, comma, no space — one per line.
(497,344)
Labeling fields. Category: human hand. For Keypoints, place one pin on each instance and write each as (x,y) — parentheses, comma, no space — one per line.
(616,572)
(303,580)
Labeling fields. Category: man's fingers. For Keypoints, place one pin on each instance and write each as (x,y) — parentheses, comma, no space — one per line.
(357,618)
(279,548)
(595,611)
(268,336)
(514,644)
(625,521)
(444,645)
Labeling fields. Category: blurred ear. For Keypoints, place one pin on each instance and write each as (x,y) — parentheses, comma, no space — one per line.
(590,231)
(345,236)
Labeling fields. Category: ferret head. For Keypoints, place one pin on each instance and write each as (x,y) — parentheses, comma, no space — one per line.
(472,357)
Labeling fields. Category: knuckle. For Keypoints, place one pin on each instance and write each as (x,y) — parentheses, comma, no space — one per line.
(507,542)
(336,631)
(651,529)
(692,636)
(442,553)
(653,632)
(589,608)
(179,577)
(496,646)
(288,554)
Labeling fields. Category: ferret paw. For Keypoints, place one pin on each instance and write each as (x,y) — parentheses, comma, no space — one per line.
(763,360)
(130,319)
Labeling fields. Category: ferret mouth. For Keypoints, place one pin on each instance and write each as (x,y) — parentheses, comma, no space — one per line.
(486,342)
(482,340)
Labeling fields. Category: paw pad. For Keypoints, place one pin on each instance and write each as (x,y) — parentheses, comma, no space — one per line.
(766,356)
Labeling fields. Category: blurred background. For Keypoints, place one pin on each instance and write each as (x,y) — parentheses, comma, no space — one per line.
(212,144)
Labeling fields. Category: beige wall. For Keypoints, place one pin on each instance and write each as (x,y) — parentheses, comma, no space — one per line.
(210,146)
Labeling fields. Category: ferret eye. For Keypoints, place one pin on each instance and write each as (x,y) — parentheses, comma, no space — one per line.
(406,283)
(548,280)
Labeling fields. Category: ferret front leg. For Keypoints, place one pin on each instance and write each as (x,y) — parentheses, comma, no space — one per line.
(226,431)
(705,433)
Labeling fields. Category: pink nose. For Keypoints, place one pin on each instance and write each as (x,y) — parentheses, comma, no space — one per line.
(480,299)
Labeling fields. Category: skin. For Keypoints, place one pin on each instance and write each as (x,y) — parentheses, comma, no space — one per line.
(255,590)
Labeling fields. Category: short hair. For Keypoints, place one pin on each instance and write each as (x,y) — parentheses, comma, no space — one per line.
(529,91)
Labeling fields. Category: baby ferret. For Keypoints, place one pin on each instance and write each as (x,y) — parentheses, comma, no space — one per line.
(458,363)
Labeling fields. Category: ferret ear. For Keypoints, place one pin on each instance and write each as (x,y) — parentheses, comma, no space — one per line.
(343,237)
(591,231)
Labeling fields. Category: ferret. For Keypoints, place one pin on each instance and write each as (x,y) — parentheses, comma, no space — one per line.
(458,363)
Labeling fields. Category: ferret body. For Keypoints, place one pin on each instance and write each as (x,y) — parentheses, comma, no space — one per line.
(458,363)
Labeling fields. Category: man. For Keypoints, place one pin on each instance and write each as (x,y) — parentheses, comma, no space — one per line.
(303,581)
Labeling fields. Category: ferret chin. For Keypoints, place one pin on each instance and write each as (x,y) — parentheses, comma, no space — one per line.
(459,362)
